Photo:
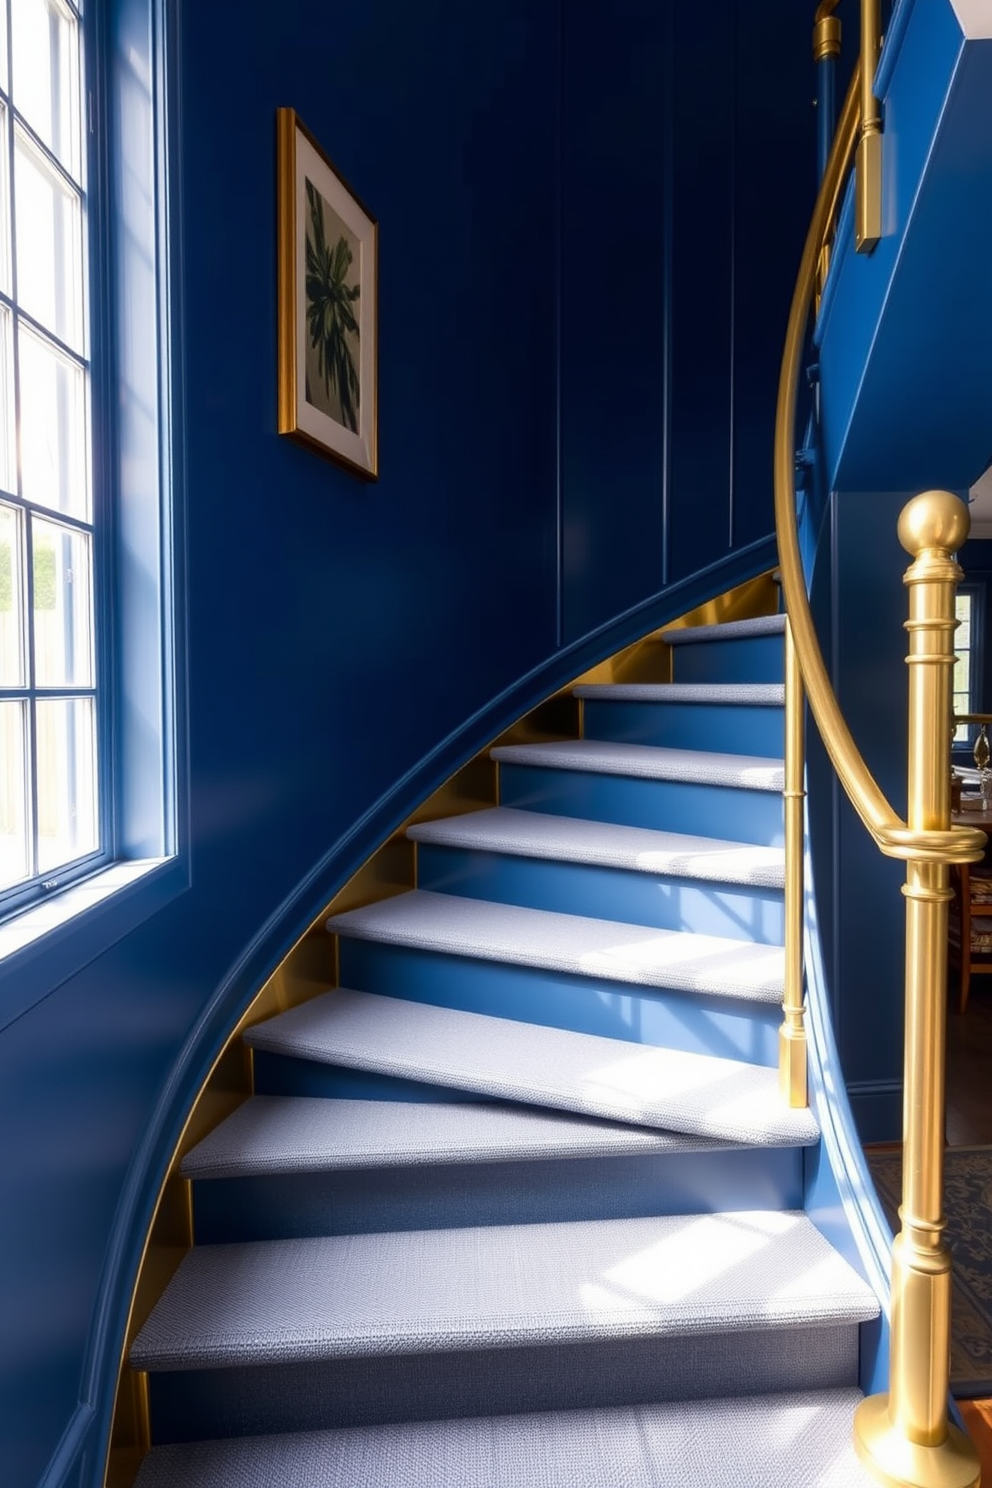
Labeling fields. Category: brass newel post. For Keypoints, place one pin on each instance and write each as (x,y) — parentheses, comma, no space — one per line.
(792,1034)
(905,1436)
(868,161)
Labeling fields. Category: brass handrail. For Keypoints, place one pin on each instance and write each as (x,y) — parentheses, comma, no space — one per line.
(826,31)
(890,832)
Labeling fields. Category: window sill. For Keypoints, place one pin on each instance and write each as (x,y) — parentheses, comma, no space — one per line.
(47,944)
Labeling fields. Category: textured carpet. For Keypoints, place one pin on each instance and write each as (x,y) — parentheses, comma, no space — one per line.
(728,630)
(648,762)
(432,1291)
(532,834)
(731,1442)
(575,944)
(699,1094)
(744,694)
(968,1208)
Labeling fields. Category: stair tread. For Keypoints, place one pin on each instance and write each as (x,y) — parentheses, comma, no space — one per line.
(300,1134)
(680,960)
(744,694)
(728,630)
(604,844)
(434,1291)
(798,1440)
(648,762)
(697,1094)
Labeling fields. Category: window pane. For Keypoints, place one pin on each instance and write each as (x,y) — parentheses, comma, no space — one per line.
(962,681)
(46,75)
(4,77)
(14,849)
(66,781)
(11,600)
(962,636)
(49,244)
(8,441)
(962,704)
(63,632)
(53,428)
(5,281)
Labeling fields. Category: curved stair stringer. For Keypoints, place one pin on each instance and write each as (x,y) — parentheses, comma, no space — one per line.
(609,1203)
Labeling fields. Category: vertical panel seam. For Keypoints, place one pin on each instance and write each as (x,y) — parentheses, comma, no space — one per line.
(732,346)
(668,236)
(559,358)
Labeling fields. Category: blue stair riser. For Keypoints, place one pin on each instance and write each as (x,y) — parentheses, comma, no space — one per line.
(694,1022)
(746,659)
(455,1195)
(631,897)
(193,1404)
(730,812)
(732,729)
(280,1074)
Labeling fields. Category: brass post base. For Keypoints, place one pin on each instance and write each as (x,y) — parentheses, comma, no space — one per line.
(894,1459)
(792,1066)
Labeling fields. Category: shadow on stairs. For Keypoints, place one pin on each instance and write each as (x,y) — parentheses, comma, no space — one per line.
(519,1204)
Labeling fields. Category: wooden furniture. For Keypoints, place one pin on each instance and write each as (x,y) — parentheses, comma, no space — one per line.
(969,927)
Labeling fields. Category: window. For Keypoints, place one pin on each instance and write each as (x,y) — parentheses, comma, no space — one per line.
(966,662)
(93,794)
(50,816)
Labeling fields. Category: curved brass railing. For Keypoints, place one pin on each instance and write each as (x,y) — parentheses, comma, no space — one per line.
(896,840)
(904,1435)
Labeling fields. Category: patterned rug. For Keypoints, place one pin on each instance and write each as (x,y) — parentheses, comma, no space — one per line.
(968,1207)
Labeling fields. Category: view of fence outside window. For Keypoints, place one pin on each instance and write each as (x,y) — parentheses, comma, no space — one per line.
(49,815)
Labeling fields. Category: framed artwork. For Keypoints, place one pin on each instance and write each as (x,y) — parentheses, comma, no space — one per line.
(328,292)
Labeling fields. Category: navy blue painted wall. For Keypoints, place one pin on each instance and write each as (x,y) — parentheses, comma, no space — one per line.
(684,206)
(549,190)
(860,604)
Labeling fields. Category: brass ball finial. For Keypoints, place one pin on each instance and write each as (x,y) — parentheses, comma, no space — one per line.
(934,519)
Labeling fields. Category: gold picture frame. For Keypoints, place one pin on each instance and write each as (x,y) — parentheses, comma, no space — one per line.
(328,265)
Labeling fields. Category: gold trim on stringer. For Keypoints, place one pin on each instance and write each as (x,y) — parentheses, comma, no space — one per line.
(312,966)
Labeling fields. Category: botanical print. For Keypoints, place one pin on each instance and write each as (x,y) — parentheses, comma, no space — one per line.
(332,293)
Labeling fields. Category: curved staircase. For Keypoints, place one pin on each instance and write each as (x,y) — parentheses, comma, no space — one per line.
(519,1203)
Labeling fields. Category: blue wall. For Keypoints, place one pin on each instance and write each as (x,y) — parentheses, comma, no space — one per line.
(905,333)
(581,309)
(860,604)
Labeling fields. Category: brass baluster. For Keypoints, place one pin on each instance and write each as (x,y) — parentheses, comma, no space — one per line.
(792,1033)
(905,1436)
(868,161)
(826,54)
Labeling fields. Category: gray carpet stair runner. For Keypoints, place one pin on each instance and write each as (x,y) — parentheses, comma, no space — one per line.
(499,1058)
(571,944)
(545,1246)
(531,834)
(646,762)
(758,694)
